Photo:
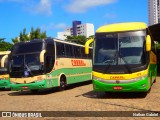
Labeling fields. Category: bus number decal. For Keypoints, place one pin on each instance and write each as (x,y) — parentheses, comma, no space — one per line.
(78,63)
(117,77)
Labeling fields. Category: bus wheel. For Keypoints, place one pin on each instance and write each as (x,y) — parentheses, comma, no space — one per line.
(62,83)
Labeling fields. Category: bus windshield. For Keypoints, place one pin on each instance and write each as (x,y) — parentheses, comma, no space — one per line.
(26,65)
(25,61)
(124,48)
(27,47)
(27,58)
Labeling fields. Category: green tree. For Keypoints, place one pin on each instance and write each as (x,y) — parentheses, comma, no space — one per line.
(91,37)
(157,46)
(2,39)
(33,34)
(76,39)
(4,46)
(15,40)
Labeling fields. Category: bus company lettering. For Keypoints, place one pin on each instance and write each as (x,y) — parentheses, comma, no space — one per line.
(78,63)
(117,77)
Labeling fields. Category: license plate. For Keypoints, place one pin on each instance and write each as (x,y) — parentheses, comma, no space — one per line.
(24,87)
(117,87)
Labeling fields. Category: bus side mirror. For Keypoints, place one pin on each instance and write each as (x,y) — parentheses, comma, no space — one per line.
(87,45)
(42,56)
(148,43)
(3,61)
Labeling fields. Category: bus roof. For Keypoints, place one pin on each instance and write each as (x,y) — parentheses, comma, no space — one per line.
(63,41)
(120,27)
(4,52)
(47,40)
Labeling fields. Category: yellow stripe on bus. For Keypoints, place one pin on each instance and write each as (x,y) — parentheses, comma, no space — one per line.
(120,76)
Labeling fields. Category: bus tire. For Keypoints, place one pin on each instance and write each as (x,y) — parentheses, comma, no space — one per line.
(62,83)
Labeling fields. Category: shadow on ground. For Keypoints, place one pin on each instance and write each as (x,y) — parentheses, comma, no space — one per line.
(115,95)
(47,91)
(5,89)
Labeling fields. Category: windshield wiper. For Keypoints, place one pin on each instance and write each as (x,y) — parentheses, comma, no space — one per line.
(28,69)
(110,61)
(126,64)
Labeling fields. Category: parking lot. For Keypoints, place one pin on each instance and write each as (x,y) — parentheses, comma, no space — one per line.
(80,97)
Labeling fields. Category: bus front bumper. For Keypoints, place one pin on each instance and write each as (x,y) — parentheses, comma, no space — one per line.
(29,86)
(4,84)
(138,86)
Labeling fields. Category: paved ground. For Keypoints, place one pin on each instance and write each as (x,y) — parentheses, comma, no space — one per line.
(81,98)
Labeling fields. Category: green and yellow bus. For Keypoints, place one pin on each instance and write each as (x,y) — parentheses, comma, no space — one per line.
(4,75)
(47,63)
(124,58)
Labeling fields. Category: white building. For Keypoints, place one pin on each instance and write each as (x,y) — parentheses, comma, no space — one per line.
(62,35)
(153,11)
(86,29)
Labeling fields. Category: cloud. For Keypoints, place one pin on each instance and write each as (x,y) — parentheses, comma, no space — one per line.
(53,26)
(110,16)
(17,1)
(81,6)
(43,7)
(35,6)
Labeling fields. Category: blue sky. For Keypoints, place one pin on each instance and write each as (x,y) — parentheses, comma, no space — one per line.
(54,16)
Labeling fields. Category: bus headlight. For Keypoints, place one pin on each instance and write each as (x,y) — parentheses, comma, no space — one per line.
(4,78)
(97,78)
(13,83)
(139,78)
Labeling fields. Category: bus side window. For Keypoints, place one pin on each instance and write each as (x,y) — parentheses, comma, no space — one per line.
(49,63)
(89,56)
(90,53)
(77,51)
(83,53)
(60,49)
(69,50)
